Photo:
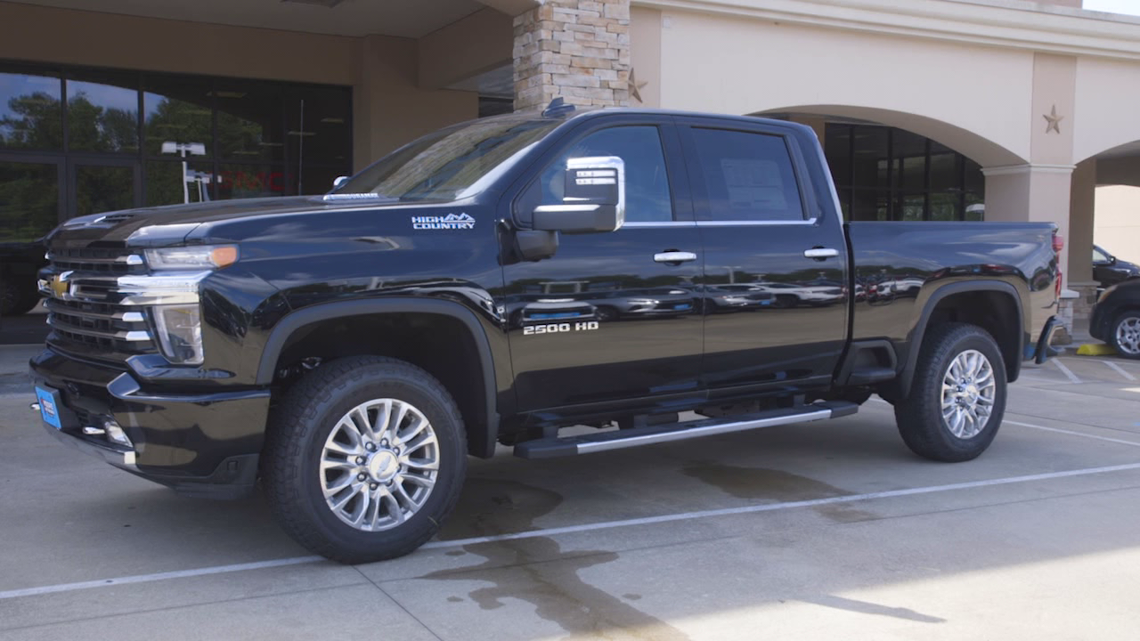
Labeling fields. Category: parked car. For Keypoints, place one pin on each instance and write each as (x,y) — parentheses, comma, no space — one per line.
(1109,270)
(1116,318)
(19,264)
(205,346)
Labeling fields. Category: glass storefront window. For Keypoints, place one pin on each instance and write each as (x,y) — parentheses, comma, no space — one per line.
(251,121)
(178,110)
(255,181)
(255,136)
(30,113)
(164,183)
(29,200)
(900,175)
(103,112)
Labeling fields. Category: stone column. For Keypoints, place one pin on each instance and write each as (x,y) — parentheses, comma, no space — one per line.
(576,49)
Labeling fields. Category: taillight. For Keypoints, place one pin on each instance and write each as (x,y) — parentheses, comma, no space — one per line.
(1058,245)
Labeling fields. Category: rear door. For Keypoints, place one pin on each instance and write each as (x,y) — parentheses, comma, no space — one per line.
(606,319)
(764,224)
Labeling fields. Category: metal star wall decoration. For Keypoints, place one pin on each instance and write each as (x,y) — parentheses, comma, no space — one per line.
(635,86)
(1054,121)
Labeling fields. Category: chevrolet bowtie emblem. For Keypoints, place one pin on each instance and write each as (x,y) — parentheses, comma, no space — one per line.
(60,285)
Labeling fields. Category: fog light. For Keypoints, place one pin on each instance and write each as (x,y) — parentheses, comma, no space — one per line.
(179,330)
(116,434)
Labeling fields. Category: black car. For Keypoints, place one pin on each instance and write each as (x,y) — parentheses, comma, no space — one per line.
(1109,270)
(1116,318)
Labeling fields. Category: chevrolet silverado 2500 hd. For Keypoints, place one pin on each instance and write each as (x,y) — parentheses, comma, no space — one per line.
(500,279)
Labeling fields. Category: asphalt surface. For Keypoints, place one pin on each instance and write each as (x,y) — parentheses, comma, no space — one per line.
(828,530)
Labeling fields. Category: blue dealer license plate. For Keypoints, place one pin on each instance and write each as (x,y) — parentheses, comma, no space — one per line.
(49,406)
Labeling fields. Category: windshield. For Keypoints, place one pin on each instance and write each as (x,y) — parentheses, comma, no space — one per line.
(444,165)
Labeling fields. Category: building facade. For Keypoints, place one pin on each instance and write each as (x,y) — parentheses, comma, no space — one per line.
(934,110)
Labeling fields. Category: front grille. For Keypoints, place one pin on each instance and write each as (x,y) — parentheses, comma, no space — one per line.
(101,261)
(87,316)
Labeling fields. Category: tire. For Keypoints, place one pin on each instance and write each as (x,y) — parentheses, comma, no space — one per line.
(300,429)
(1125,334)
(16,300)
(920,415)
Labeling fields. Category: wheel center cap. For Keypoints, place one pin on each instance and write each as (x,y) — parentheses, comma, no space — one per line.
(383,465)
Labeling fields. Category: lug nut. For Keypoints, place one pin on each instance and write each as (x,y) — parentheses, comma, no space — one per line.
(360,460)
(384,443)
(360,477)
(373,486)
(370,447)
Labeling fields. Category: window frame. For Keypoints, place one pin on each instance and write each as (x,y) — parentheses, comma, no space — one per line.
(812,211)
(559,141)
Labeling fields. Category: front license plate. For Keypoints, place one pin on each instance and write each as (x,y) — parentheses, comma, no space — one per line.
(49,406)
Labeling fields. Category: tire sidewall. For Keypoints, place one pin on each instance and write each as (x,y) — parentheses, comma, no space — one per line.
(975,445)
(328,411)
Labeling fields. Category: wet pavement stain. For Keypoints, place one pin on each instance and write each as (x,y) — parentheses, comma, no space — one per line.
(776,486)
(536,570)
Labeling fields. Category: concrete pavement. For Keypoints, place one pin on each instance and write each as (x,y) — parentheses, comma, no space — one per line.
(827,530)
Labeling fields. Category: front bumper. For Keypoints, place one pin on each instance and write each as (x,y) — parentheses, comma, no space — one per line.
(201,444)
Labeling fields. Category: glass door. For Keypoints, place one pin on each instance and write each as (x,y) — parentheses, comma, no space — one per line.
(31,196)
(97,185)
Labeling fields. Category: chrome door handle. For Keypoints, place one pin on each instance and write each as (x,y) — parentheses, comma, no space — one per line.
(820,253)
(674,257)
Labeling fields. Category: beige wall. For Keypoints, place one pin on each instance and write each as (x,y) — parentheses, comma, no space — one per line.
(972,98)
(1107,96)
(389,108)
(67,36)
(1118,221)
(645,54)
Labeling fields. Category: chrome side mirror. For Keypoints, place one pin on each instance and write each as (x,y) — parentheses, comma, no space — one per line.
(594,199)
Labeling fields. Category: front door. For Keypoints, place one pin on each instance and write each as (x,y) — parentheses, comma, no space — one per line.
(607,318)
(774,289)
(97,185)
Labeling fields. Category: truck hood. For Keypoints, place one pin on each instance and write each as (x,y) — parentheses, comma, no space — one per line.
(170,225)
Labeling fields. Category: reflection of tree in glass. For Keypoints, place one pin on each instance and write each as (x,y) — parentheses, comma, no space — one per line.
(29,201)
(172,120)
(94,128)
(36,122)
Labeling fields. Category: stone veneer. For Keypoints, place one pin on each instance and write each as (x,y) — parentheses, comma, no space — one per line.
(576,49)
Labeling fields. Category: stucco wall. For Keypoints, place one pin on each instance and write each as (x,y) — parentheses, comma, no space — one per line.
(742,65)
(1118,221)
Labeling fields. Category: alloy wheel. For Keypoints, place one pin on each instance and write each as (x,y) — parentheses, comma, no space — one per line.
(379,464)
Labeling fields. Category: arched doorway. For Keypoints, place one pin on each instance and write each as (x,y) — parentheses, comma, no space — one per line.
(893,166)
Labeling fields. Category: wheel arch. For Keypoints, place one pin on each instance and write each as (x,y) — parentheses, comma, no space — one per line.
(959,302)
(477,403)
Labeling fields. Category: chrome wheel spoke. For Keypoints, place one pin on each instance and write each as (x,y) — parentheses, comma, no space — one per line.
(969,389)
(368,474)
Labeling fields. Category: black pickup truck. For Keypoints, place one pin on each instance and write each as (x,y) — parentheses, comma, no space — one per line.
(656,275)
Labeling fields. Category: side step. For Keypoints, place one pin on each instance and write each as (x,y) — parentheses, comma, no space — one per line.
(618,439)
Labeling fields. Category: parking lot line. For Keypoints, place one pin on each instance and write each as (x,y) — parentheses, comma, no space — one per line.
(160,576)
(1066,371)
(1072,433)
(1119,370)
(589,527)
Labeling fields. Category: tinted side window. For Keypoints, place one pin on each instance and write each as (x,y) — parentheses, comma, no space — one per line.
(748,176)
(647,196)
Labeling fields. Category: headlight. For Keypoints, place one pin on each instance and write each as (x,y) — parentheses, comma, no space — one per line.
(179,330)
(203,257)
